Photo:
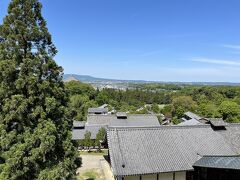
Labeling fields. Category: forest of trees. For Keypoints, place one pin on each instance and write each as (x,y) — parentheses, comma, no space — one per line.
(206,101)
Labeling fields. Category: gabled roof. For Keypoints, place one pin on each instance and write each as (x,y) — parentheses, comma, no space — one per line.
(135,151)
(97,110)
(183,119)
(121,115)
(219,162)
(190,122)
(78,134)
(99,119)
(103,106)
(192,115)
(217,122)
(232,135)
(132,120)
(95,122)
(77,124)
(136,120)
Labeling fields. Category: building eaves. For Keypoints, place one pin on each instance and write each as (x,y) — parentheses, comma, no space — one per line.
(219,162)
(162,149)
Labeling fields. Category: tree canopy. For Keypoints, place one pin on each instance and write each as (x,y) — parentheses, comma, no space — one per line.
(100,137)
(172,100)
(88,142)
(35,134)
(230,111)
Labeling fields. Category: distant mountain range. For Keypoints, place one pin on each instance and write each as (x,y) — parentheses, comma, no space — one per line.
(91,79)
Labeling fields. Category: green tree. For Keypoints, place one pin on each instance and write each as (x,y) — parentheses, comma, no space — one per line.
(217,98)
(231,93)
(102,98)
(35,138)
(182,104)
(155,108)
(76,87)
(201,98)
(100,137)
(78,100)
(80,143)
(175,120)
(85,107)
(167,110)
(209,110)
(180,112)
(124,107)
(160,119)
(77,106)
(186,102)
(88,142)
(230,111)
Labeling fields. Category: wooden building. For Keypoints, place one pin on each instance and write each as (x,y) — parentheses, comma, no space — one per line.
(172,152)
(217,168)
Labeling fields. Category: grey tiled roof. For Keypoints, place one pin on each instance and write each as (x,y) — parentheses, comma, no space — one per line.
(183,119)
(217,122)
(99,119)
(136,120)
(78,124)
(232,135)
(95,122)
(192,115)
(97,110)
(219,162)
(121,114)
(103,106)
(135,151)
(78,134)
(190,122)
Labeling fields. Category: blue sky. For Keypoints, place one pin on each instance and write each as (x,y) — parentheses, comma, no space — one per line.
(165,40)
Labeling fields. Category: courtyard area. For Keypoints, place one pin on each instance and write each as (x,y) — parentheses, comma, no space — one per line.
(94,167)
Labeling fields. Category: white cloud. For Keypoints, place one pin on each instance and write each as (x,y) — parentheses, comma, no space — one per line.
(217,61)
(230,46)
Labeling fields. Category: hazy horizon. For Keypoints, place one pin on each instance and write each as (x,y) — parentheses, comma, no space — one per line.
(99,77)
(177,41)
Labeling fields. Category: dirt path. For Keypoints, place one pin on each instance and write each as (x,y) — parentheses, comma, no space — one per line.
(106,170)
(97,164)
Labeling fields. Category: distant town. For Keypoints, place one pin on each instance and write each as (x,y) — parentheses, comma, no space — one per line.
(101,83)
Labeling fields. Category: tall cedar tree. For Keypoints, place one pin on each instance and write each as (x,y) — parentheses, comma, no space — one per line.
(35,138)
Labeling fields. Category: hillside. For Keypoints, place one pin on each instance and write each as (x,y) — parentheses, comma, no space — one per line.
(91,79)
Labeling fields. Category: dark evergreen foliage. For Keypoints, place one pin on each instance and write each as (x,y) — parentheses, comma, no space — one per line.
(35,138)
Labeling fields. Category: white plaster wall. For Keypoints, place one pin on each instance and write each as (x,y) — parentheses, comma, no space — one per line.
(166,176)
(162,176)
(180,175)
(149,177)
(132,178)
